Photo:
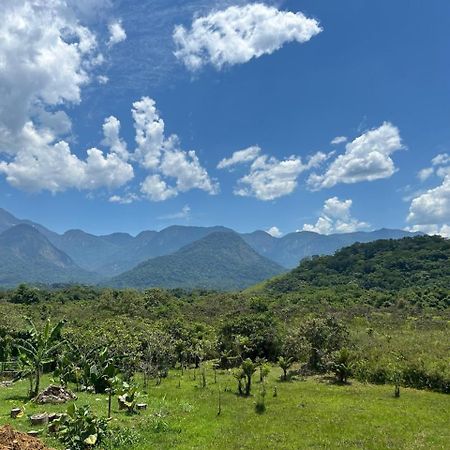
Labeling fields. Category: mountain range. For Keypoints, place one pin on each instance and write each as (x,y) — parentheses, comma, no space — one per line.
(220,260)
(177,256)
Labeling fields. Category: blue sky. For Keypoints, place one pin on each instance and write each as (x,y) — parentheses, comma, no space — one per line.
(301,74)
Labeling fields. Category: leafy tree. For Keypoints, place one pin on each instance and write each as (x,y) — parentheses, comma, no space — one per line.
(158,355)
(24,295)
(324,336)
(250,336)
(39,350)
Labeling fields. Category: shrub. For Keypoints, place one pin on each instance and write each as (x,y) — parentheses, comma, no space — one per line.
(341,364)
(81,429)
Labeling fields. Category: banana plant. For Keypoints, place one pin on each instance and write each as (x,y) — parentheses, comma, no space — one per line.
(38,350)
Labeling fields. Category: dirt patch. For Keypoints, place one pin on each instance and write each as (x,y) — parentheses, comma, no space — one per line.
(11,439)
(55,395)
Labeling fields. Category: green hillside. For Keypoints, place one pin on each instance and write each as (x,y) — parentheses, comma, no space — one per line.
(385,265)
(220,261)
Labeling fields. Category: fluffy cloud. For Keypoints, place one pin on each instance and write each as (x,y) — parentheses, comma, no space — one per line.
(432,207)
(339,140)
(124,199)
(163,156)
(111,133)
(239,33)
(116,33)
(43,164)
(239,157)
(429,210)
(440,166)
(47,57)
(367,158)
(441,159)
(274,232)
(150,137)
(268,177)
(336,218)
(441,230)
(156,189)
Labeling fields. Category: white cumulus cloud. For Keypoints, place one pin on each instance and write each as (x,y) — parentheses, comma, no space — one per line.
(432,207)
(274,232)
(239,33)
(336,218)
(112,139)
(116,33)
(432,230)
(46,58)
(429,210)
(41,163)
(268,177)
(367,158)
(339,140)
(156,189)
(164,157)
(239,157)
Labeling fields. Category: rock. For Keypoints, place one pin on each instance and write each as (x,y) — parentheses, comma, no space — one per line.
(55,395)
(15,413)
(39,419)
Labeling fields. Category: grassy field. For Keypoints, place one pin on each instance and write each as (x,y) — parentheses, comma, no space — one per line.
(310,414)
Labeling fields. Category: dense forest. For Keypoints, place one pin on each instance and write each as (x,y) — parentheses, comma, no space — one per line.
(384,265)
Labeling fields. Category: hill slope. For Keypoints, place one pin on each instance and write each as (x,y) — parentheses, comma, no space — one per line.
(289,250)
(28,256)
(221,261)
(150,244)
(385,265)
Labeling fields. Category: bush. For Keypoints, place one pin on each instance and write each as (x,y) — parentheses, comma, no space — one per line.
(341,364)
(81,429)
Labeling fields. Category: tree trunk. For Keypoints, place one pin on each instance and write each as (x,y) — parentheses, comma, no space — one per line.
(37,382)
(31,385)
(109,403)
(248,386)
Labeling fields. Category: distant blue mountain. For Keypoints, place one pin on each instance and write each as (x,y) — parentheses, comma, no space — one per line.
(111,255)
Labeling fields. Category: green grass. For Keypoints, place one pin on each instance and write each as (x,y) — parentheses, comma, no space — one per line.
(308,414)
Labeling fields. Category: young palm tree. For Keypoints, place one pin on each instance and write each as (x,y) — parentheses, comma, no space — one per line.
(39,350)
(285,364)
(248,369)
